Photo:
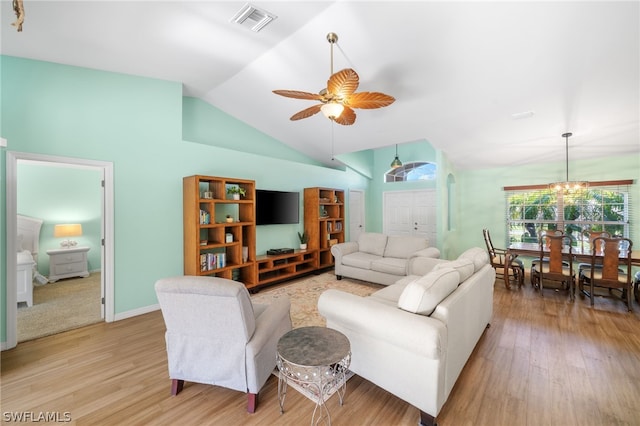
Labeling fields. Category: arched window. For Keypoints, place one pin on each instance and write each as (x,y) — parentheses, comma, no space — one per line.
(417,170)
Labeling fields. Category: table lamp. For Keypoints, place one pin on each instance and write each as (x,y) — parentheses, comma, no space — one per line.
(67,230)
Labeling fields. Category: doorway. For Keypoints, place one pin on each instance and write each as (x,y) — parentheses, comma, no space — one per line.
(105,169)
(356,214)
(410,213)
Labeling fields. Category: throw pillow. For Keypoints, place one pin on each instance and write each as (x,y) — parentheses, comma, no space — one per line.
(424,294)
(464,267)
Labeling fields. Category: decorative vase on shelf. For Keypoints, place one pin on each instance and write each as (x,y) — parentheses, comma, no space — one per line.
(229,219)
(303,246)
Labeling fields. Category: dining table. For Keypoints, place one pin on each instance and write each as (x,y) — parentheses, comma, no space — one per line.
(578,253)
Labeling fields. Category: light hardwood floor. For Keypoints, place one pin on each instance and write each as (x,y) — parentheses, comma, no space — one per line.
(543,361)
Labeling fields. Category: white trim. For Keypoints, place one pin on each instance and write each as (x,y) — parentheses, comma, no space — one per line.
(138,311)
(107,250)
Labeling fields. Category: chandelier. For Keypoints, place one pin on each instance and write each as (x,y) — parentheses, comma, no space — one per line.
(568,185)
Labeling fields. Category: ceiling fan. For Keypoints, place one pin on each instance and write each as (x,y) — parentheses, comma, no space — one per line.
(338,99)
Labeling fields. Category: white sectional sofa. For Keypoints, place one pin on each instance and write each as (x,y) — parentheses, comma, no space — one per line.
(414,337)
(379,258)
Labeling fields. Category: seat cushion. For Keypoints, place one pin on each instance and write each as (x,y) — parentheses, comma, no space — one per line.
(391,293)
(424,294)
(464,267)
(403,247)
(390,265)
(372,243)
(359,260)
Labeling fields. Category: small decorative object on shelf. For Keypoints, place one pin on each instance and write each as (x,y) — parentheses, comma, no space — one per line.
(229,218)
(304,239)
(207,195)
(236,191)
(228,237)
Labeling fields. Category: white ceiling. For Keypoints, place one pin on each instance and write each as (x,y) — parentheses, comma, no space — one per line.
(459,70)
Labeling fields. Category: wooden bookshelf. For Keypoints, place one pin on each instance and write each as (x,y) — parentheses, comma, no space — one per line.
(324,221)
(212,245)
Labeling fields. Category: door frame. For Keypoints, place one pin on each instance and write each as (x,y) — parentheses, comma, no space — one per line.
(107,249)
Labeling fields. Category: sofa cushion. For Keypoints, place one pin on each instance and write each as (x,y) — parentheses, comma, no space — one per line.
(424,294)
(373,243)
(465,267)
(390,265)
(389,295)
(403,247)
(359,260)
(478,256)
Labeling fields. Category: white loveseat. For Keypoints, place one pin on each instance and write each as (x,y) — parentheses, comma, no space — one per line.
(379,258)
(414,337)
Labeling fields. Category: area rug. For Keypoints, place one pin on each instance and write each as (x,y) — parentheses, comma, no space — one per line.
(60,306)
(303,294)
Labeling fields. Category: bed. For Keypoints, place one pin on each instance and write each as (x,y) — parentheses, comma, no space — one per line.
(28,245)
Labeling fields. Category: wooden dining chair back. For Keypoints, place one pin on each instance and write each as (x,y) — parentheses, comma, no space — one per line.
(497,256)
(584,267)
(611,267)
(554,262)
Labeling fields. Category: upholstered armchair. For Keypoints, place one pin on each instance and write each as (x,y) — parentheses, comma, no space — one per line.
(216,335)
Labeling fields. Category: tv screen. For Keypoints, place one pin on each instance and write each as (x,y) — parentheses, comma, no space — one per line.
(277,207)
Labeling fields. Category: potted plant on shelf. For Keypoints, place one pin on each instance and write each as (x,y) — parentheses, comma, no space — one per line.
(236,191)
(304,239)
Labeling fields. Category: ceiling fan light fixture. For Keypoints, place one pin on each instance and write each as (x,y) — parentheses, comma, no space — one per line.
(332,110)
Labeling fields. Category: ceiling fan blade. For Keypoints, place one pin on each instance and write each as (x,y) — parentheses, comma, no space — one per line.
(343,83)
(298,94)
(347,118)
(306,113)
(368,100)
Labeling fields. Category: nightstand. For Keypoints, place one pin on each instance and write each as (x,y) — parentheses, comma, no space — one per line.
(67,263)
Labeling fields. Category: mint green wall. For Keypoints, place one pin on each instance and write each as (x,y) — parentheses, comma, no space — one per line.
(206,124)
(62,195)
(482,200)
(413,151)
(136,123)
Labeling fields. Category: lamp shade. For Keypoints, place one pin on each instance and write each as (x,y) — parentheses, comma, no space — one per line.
(332,110)
(67,230)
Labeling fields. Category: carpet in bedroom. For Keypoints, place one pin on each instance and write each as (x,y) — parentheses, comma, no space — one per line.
(60,306)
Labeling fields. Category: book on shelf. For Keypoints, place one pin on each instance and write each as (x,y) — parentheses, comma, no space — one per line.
(211,261)
(205,217)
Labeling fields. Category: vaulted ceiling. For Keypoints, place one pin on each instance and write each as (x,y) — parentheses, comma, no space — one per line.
(489,83)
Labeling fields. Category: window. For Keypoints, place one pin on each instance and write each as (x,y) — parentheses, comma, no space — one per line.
(598,208)
(417,170)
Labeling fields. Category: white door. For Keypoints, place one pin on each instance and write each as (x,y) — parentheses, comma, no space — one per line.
(356,214)
(410,213)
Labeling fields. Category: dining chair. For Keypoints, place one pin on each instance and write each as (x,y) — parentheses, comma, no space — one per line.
(551,264)
(497,256)
(535,262)
(589,236)
(611,267)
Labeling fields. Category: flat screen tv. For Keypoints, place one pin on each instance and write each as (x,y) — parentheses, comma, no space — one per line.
(277,207)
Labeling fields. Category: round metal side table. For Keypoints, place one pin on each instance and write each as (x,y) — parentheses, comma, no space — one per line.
(317,359)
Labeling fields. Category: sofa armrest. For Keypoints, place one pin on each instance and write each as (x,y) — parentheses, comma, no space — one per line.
(342,249)
(421,265)
(432,252)
(419,334)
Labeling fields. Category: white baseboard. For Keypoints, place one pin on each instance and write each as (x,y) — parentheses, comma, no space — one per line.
(136,312)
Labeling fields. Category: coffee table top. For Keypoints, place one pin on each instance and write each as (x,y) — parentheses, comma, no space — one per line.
(313,346)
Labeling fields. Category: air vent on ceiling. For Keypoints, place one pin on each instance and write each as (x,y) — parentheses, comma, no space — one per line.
(253,18)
